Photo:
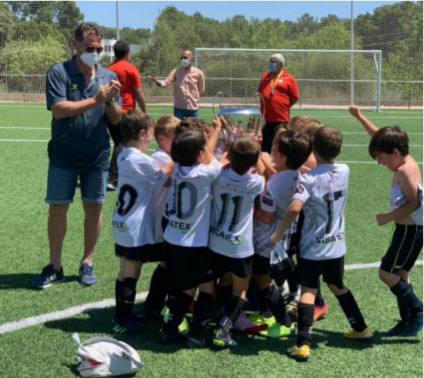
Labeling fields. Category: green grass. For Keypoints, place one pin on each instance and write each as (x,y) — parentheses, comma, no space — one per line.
(48,351)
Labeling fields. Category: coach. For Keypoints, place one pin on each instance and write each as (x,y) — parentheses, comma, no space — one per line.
(279,92)
(82,96)
(189,84)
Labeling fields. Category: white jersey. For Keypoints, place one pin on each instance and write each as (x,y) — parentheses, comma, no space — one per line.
(133,220)
(324,192)
(276,199)
(161,158)
(188,206)
(232,213)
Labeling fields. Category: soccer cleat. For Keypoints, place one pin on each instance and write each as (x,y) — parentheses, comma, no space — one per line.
(223,339)
(397,330)
(320,311)
(111,187)
(278,330)
(183,328)
(174,338)
(193,342)
(86,275)
(130,328)
(363,335)
(414,325)
(243,324)
(291,307)
(49,275)
(147,315)
(257,318)
(299,353)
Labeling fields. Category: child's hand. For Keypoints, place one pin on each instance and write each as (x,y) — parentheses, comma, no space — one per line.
(382,219)
(224,123)
(273,239)
(216,123)
(354,110)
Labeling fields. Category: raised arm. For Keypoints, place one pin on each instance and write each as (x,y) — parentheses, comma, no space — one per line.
(369,127)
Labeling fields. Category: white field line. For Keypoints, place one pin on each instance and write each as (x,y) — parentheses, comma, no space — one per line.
(72,311)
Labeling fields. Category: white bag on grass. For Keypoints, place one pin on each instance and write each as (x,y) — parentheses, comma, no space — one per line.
(106,357)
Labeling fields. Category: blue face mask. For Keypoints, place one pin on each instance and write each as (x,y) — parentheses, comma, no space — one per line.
(272,66)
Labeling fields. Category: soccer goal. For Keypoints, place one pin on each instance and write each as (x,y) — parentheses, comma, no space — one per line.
(326,78)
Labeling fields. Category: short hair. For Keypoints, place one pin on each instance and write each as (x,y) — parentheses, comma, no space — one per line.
(120,49)
(279,57)
(186,147)
(305,124)
(386,139)
(87,28)
(243,154)
(295,146)
(165,124)
(328,142)
(132,123)
(191,123)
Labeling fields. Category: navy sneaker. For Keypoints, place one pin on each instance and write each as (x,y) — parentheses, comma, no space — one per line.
(414,325)
(130,328)
(86,275)
(49,275)
(398,330)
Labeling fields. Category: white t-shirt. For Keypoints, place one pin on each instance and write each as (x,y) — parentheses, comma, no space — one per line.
(133,220)
(188,206)
(232,213)
(161,158)
(324,192)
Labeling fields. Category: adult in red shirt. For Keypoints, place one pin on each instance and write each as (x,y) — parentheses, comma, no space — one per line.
(279,92)
(131,93)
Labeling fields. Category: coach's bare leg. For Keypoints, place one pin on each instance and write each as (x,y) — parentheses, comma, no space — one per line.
(92,227)
(56,230)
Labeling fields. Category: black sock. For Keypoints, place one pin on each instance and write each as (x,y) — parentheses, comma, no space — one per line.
(223,295)
(353,313)
(252,296)
(118,285)
(232,312)
(305,319)
(407,300)
(201,313)
(126,300)
(319,300)
(178,304)
(276,304)
(158,289)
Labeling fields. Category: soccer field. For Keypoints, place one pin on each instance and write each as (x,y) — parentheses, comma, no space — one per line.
(36,326)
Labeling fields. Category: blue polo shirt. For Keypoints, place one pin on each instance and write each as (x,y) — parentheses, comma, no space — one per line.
(80,142)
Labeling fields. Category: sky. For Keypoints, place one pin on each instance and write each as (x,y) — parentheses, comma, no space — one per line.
(142,14)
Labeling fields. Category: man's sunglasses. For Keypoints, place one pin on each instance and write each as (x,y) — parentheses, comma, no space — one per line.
(91,49)
(185,57)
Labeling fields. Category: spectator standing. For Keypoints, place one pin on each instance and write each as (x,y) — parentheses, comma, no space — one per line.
(81,95)
(131,93)
(279,92)
(189,85)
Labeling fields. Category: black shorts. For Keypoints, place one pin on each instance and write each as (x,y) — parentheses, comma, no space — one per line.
(308,272)
(261,265)
(241,267)
(188,267)
(143,254)
(407,242)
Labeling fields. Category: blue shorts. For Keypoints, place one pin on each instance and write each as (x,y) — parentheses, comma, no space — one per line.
(181,113)
(61,185)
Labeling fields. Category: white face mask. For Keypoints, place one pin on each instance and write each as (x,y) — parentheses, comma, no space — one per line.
(185,63)
(90,59)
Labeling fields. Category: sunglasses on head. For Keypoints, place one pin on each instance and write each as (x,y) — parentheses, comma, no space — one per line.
(91,49)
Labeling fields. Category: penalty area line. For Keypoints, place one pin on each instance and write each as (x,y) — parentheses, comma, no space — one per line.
(72,311)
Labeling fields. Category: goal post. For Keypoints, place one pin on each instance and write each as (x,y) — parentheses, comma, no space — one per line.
(324,77)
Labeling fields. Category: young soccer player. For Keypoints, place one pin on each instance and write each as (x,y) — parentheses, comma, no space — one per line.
(289,151)
(186,235)
(164,132)
(389,146)
(133,219)
(321,193)
(230,236)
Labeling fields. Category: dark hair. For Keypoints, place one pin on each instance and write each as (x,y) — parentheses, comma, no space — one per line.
(243,154)
(87,27)
(132,123)
(328,142)
(295,146)
(191,123)
(120,49)
(186,147)
(387,139)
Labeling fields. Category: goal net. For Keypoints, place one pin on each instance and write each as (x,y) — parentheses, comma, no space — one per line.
(326,78)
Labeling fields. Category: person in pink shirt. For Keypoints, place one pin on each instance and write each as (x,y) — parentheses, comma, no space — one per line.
(189,85)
